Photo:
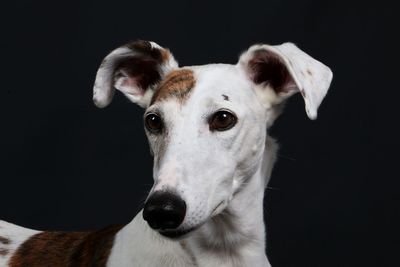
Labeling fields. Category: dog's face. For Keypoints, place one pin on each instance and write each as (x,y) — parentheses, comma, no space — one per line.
(206,125)
(207,140)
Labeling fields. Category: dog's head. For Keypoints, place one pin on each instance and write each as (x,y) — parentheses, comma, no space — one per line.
(206,125)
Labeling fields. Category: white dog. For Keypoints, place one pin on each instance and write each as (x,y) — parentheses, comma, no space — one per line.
(207,129)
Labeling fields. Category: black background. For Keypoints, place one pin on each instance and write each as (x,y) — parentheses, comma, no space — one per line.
(67,165)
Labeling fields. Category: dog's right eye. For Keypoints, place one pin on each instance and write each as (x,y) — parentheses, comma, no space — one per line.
(153,123)
(222,120)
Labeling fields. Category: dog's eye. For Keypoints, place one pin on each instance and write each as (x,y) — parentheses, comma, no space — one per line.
(153,123)
(222,120)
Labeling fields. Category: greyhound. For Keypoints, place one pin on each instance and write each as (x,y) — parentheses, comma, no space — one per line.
(207,130)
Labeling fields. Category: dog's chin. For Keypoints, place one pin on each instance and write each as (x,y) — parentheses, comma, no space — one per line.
(176,234)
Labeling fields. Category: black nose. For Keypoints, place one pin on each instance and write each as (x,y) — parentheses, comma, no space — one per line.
(164,210)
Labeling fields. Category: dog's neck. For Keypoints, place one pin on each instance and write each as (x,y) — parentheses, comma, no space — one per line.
(236,237)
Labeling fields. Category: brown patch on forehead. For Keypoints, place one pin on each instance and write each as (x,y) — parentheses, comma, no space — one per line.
(66,249)
(176,84)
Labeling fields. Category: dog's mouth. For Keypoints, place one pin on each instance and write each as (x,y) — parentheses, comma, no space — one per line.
(175,234)
(180,233)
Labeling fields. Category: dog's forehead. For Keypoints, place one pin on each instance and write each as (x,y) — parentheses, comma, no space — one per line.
(211,80)
(176,84)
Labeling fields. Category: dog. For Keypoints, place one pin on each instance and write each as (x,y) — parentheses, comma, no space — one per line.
(207,130)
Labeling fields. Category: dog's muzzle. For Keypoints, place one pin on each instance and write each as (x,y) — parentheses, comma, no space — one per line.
(164,211)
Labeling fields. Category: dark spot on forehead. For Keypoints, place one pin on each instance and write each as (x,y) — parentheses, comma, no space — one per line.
(176,84)
(309,72)
(225,97)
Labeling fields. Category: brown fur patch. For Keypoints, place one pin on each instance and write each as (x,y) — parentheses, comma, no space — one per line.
(177,84)
(161,55)
(143,66)
(266,67)
(3,252)
(4,240)
(145,48)
(66,249)
(165,54)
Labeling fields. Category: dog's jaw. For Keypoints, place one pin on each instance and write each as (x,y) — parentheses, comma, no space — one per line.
(231,234)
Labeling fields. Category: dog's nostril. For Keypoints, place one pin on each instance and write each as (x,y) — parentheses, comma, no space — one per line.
(164,210)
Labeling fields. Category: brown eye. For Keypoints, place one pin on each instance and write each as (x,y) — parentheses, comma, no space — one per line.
(153,123)
(222,120)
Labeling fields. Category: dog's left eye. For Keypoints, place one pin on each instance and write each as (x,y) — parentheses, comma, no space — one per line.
(222,120)
(153,123)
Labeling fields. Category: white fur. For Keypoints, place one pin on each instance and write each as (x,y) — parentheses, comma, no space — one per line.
(221,175)
(311,77)
(104,87)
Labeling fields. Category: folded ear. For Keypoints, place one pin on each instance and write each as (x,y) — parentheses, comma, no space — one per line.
(282,70)
(134,69)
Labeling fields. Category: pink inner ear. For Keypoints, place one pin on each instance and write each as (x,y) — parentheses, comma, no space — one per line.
(267,68)
(129,85)
(138,74)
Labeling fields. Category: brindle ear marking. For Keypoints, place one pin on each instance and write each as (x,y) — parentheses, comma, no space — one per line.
(134,69)
(144,70)
(266,67)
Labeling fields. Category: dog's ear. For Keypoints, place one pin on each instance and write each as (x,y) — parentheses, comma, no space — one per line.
(134,69)
(282,70)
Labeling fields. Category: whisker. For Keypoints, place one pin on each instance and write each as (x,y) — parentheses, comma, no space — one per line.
(286,157)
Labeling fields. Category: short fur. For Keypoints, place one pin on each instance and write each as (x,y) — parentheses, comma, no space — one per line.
(177,84)
(221,175)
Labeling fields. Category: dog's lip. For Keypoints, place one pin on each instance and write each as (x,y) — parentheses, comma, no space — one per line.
(174,234)
(179,233)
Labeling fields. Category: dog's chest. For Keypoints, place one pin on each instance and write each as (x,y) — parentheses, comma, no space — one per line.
(140,246)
